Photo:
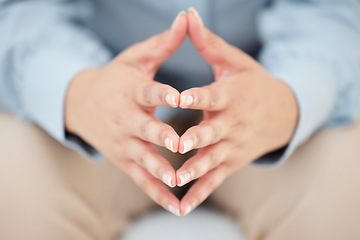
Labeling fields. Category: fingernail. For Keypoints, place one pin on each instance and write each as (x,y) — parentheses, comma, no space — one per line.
(184,178)
(193,10)
(169,144)
(170,99)
(186,100)
(174,210)
(166,178)
(177,18)
(188,144)
(188,209)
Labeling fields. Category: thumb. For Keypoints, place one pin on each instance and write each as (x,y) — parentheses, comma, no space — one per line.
(151,53)
(216,51)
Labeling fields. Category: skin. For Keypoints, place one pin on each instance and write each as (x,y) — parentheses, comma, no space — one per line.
(247,113)
(112,108)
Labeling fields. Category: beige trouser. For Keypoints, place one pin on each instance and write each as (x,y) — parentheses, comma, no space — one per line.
(50,192)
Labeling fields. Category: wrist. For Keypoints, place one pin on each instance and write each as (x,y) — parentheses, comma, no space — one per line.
(75,95)
(290,112)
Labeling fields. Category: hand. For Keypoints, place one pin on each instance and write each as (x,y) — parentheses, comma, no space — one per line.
(247,113)
(112,108)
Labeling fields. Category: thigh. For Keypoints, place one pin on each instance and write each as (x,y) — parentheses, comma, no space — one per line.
(50,192)
(314,195)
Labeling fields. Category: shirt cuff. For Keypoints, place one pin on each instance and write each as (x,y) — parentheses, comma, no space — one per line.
(314,88)
(45,78)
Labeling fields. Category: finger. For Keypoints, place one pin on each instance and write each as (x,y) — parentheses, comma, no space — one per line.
(146,156)
(206,133)
(203,187)
(151,129)
(208,98)
(151,53)
(204,161)
(156,190)
(154,94)
(211,47)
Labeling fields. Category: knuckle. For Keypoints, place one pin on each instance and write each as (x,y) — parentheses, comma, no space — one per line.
(145,129)
(160,42)
(213,98)
(199,139)
(200,168)
(147,93)
(119,160)
(167,50)
(215,159)
(202,137)
(216,132)
(158,172)
(204,95)
(136,174)
(212,40)
(141,182)
(210,184)
(143,158)
(118,120)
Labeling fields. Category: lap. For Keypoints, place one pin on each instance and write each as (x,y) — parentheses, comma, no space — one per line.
(314,195)
(50,192)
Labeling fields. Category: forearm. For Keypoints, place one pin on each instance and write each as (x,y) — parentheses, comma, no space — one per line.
(314,49)
(43,48)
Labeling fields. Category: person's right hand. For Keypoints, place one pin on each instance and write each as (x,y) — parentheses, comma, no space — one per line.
(112,109)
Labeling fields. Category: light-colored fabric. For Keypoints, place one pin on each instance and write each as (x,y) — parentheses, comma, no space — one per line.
(50,192)
(200,224)
(312,45)
(314,195)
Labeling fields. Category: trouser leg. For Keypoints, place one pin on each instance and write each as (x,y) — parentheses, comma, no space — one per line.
(50,192)
(314,195)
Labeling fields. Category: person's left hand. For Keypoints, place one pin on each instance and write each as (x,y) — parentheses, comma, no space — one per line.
(247,113)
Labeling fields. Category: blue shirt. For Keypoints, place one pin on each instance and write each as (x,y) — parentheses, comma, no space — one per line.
(311,45)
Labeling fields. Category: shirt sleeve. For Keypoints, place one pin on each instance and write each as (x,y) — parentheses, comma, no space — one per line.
(44,44)
(314,47)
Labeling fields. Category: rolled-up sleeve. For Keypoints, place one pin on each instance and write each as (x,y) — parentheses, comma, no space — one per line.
(314,47)
(43,45)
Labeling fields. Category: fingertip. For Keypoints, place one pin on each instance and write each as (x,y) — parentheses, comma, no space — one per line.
(173,179)
(178,30)
(185,209)
(170,99)
(169,144)
(177,19)
(171,96)
(192,11)
(186,100)
(186,146)
(178,180)
(174,210)
(195,26)
(168,176)
(173,183)
(173,206)
(183,178)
